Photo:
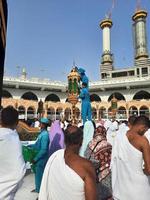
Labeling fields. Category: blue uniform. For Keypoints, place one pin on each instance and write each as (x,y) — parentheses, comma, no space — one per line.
(84,78)
(42,146)
(86,105)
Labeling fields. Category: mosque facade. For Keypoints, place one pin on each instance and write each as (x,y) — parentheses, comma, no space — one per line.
(130,87)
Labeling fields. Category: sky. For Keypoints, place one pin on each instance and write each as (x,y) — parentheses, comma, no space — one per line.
(47,36)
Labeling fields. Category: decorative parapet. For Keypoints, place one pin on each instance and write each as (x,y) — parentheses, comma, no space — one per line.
(114,82)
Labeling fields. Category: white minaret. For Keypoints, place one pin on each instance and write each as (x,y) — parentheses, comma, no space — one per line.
(24,73)
(107,58)
(139,32)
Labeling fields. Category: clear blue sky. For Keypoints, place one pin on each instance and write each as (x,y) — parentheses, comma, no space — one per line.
(45,36)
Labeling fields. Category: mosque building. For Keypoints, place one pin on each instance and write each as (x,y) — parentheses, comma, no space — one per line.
(130,87)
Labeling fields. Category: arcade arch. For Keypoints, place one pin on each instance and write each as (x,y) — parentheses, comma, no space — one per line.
(59,112)
(122,113)
(94,113)
(53,98)
(142,95)
(51,113)
(30,113)
(133,111)
(95,97)
(144,110)
(117,95)
(6,94)
(77,113)
(102,113)
(21,112)
(29,96)
(67,114)
(67,100)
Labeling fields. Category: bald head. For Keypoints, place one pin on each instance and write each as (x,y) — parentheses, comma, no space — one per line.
(73,136)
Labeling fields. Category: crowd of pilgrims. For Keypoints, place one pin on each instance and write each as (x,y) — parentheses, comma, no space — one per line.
(105,160)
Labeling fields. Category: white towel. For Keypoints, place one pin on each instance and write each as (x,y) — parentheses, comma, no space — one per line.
(59,181)
(128,179)
(12,166)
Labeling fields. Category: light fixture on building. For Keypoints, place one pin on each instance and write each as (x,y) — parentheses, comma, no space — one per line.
(73,90)
(114,106)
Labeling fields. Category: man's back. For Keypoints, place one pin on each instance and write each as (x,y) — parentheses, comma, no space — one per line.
(67,175)
(12,167)
(127,171)
(62,181)
(85,170)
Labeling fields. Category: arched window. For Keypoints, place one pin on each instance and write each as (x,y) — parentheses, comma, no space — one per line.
(144,111)
(94,113)
(141,95)
(67,113)
(30,113)
(133,111)
(102,113)
(51,113)
(95,97)
(21,111)
(109,112)
(59,113)
(117,95)
(6,94)
(52,97)
(67,100)
(29,96)
(122,113)
(77,113)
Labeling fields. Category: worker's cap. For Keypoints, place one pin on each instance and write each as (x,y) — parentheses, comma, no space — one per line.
(44,120)
(81,70)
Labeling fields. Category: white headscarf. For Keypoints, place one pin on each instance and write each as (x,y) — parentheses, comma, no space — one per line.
(88,133)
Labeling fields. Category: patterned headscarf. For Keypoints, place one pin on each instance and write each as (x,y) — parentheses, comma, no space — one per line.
(88,132)
(100,130)
(100,150)
(56,136)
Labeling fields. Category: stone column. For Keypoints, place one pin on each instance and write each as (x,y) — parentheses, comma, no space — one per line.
(25,113)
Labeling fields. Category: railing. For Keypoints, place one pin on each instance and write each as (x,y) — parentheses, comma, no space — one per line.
(34,80)
(120,80)
(103,83)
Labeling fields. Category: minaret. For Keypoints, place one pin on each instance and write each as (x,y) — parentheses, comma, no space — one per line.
(107,59)
(24,73)
(139,32)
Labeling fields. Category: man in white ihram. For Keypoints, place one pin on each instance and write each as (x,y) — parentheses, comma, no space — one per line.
(131,163)
(12,165)
(112,131)
(68,176)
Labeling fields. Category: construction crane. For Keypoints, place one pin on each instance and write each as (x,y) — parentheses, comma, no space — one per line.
(138,5)
(111,10)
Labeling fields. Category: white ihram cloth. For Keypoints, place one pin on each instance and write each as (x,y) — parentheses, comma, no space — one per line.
(12,165)
(128,179)
(147,135)
(111,132)
(59,181)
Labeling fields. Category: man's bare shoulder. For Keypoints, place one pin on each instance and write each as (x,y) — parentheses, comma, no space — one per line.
(85,163)
(144,141)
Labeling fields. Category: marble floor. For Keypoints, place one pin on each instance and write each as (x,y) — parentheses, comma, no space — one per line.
(24,193)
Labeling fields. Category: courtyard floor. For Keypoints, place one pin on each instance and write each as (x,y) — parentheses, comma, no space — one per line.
(24,193)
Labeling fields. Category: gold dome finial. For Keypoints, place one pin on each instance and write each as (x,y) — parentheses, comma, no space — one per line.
(139,14)
(106,23)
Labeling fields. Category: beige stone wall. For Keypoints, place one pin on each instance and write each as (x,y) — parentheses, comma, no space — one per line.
(63,108)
